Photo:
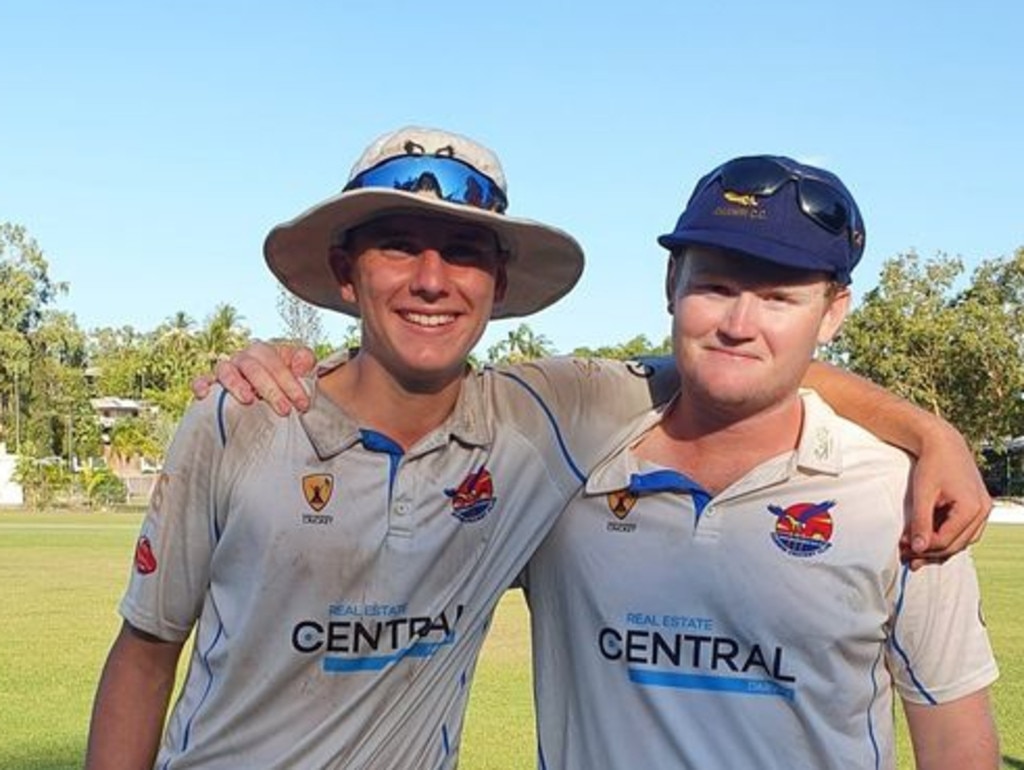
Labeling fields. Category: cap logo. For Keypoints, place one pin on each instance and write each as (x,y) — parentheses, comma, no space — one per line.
(741,199)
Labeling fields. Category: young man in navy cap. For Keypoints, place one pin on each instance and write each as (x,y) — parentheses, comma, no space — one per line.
(727,590)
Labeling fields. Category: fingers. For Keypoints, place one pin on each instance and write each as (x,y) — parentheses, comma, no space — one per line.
(918,537)
(269,372)
(229,376)
(201,386)
(957,526)
(302,361)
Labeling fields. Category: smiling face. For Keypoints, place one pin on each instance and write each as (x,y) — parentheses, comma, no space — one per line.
(745,330)
(425,287)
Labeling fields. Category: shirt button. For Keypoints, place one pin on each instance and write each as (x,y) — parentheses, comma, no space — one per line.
(402,508)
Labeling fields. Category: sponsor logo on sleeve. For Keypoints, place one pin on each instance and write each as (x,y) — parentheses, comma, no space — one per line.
(145,561)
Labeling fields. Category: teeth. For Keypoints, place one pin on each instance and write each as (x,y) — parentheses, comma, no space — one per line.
(429,320)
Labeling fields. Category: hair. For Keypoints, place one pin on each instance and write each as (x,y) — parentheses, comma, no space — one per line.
(833,287)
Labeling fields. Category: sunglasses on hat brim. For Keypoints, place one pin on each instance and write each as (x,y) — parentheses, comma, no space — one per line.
(828,207)
(450,179)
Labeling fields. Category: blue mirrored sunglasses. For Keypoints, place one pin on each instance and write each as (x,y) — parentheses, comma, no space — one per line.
(450,179)
(827,206)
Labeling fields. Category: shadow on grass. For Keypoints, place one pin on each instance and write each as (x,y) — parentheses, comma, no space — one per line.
(1013,763)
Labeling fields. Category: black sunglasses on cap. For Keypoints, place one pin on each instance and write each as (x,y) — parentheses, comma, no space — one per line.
(826,205)
(450,179)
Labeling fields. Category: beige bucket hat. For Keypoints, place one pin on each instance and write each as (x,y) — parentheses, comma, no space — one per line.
(425,170)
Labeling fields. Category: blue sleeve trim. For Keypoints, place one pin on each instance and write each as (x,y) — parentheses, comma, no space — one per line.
(551,420)
(904,576)
(222,427)
(204,658)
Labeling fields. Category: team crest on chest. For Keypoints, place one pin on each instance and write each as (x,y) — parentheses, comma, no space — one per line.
(317,489)
(621,502)
(803,529)
(474,497)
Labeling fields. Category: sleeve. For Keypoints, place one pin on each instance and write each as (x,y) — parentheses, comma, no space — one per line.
(171,567)
(939,649)
(594,401)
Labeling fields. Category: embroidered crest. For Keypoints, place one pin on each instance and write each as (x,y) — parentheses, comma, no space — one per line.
(621,502)
(474,497)
(317,489)
(803,529)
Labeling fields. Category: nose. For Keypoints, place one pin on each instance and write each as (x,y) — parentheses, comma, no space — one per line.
(740,319)
(429,278)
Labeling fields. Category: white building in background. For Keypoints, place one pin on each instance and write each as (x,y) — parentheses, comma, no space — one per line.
(10,490)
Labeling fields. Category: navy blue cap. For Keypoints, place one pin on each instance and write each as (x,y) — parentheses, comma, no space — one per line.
(773,208)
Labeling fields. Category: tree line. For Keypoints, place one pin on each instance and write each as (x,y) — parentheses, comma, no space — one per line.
(948,341)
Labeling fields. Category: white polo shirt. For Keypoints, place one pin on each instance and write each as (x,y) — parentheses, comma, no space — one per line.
(340,589)
(764,627)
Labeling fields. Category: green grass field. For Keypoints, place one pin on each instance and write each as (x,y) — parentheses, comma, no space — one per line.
(62,574)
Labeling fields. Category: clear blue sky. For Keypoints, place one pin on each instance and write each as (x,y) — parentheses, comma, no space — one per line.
(149,146)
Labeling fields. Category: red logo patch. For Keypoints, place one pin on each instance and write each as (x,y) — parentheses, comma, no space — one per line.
(145,561)
(474,497)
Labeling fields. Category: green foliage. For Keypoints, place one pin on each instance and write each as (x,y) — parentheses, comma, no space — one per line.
(638,347)
(44,480)
(954,350)
(101,487)
(136,437)
(520,344)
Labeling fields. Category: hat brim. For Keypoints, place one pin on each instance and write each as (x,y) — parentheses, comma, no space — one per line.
(544,262)
(752,246)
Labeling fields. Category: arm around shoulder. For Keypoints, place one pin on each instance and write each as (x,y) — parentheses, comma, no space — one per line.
(131,701)
(950,502)
(954,735)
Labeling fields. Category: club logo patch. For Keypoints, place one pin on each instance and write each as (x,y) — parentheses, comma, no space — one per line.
(740,199)
(803,529)
(621,502)
(474,497)
(145,561)
(317,489)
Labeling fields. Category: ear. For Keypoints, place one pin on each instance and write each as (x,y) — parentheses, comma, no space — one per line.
(671,274)
(341,261)
(500,283)
(835,314)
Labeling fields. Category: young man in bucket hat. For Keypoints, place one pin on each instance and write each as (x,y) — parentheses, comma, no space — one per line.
(441,500)
(727,589)
(338,569)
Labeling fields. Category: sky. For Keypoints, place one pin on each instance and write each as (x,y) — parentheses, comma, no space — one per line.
(148,147)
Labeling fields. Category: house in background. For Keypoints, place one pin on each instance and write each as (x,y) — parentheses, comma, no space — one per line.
(10,490)
(138,475)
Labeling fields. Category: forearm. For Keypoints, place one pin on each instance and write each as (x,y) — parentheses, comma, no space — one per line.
(131,703)
(955,735)
(893,419)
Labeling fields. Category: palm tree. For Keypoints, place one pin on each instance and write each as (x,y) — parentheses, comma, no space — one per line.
(521,344)
(222,334)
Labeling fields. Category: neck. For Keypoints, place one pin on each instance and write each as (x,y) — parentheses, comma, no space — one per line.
(403,411)
(717,448)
